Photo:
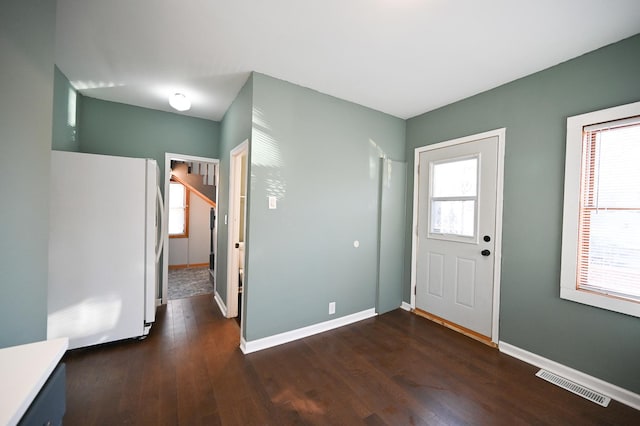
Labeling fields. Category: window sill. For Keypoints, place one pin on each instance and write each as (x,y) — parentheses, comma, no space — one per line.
(603,301)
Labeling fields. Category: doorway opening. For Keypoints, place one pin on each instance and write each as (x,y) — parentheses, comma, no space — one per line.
(238,172)
(191,192)
(457,234)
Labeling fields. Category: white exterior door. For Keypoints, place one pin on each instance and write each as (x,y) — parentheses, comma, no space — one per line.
(456,233)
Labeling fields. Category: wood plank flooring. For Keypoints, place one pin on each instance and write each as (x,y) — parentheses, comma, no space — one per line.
(395,369)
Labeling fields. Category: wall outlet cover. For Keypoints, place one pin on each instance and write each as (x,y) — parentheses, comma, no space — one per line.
(332,308)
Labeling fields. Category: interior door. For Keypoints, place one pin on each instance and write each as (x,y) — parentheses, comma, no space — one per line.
(242,214)
(236,238)
(456,233)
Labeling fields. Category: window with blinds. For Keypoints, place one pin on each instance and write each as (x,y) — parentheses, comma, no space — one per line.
(609,224)
(601,220)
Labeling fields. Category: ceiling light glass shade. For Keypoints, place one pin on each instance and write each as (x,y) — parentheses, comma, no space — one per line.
(179,101)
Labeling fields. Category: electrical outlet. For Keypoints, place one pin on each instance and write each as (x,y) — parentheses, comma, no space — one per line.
(332,308)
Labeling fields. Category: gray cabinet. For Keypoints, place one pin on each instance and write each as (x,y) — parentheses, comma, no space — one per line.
(49,405)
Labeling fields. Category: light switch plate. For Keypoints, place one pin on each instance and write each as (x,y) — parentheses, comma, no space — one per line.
(272,202)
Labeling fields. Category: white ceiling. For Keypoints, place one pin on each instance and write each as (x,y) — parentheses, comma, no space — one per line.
(402,57)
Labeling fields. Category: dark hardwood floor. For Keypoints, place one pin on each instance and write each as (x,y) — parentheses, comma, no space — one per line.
(395,369)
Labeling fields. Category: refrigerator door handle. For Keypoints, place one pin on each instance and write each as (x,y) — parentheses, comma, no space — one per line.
(161,224)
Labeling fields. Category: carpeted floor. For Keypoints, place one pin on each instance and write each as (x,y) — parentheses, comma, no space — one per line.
(189,282)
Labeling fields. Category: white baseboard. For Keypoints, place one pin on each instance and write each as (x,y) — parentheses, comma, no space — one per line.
(221,305)
(612,391)
(289,336)
(406,306)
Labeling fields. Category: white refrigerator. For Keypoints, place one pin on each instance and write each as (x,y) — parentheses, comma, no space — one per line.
(104,247)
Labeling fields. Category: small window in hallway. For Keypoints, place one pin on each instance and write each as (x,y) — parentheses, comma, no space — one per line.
(178,210)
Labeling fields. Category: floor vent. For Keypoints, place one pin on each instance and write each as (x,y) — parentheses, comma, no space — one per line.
(580,390)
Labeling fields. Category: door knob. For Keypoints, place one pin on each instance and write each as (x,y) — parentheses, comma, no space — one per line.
(237,245)
(485,252)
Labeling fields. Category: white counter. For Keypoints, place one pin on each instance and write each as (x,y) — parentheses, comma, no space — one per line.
(24,370)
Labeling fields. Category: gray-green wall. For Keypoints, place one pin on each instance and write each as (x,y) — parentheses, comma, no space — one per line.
(65,132)
(534,110)
(112,128)
(27,29)
(235,129)
(319,156)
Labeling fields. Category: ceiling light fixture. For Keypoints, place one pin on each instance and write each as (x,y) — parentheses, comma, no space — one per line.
(179,101)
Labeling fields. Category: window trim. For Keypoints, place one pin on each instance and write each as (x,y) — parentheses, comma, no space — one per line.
(187,194)
(570,217)
(469,239)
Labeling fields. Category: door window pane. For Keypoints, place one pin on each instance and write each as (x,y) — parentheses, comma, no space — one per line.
(456,178)
(453,217)
(454,197)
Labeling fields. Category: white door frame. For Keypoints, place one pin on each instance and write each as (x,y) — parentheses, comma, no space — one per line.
(500,134)
(168,156)
(233,259)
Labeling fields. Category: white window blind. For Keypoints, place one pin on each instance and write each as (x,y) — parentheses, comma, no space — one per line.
(609,214)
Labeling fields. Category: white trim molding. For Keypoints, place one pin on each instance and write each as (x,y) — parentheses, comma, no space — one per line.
(243,345)
(220,302)
(612,391)
(290,336)
(406,306)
